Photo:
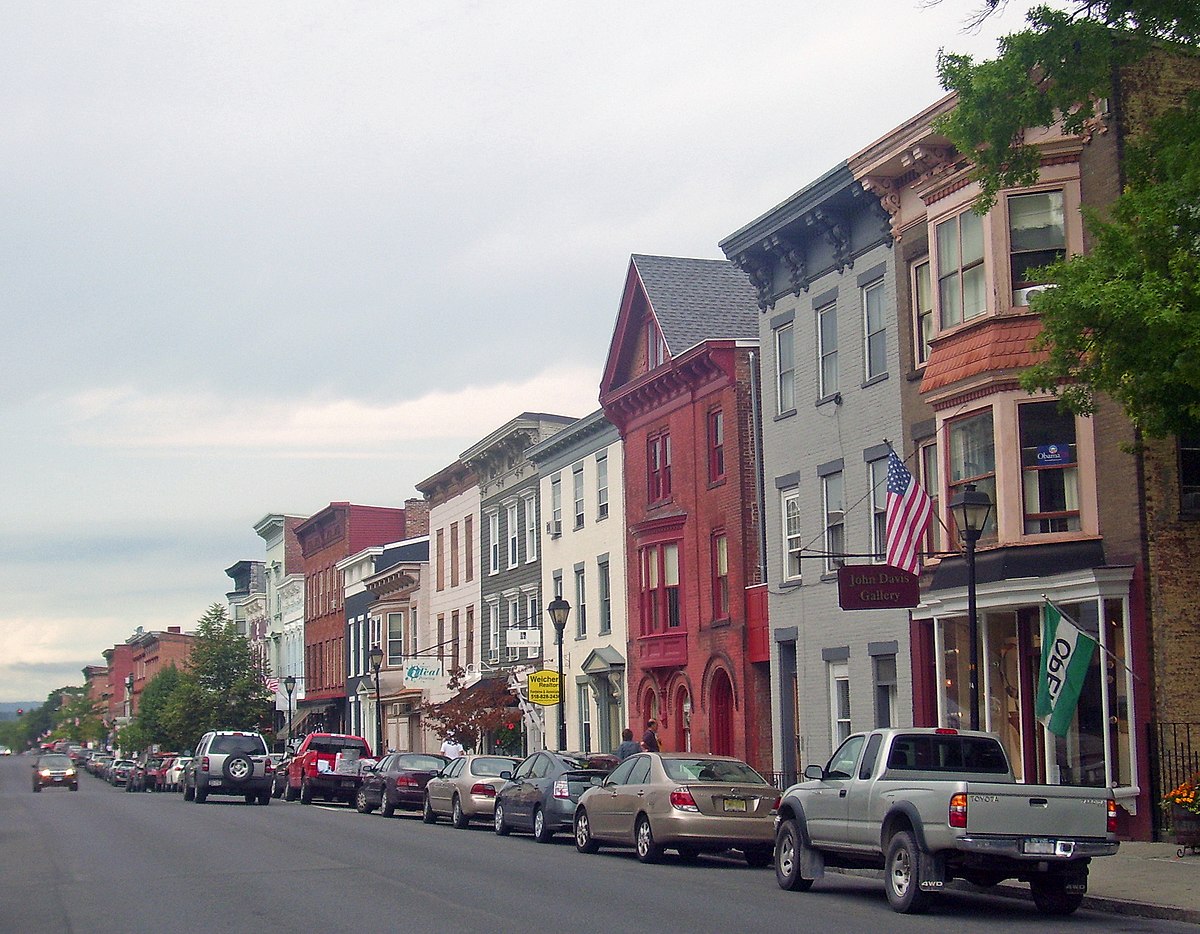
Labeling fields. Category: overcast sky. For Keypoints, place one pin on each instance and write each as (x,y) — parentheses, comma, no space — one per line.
(259,257)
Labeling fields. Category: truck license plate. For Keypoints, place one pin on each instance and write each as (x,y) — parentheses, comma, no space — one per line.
(1039,846)
(215,782)
(735,804)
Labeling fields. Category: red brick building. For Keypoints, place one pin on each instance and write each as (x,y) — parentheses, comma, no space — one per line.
(336,532)
(155,651)
(678,385)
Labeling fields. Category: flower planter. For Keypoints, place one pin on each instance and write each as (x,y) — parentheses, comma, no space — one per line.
(1185,825)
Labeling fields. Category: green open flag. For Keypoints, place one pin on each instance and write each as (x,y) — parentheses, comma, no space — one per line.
(1066,654)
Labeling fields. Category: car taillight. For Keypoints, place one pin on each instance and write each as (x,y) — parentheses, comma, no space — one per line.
(406,781)
(268,766)
(958,810)
(204,763)
(682,800)
(1112,815)
(482,788)
(775,806)
(561,790)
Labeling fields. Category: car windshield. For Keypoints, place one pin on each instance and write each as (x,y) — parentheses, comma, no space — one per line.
(332,745)
(229,745)
(711,770)
(488,767)
(431,763)
(54,762)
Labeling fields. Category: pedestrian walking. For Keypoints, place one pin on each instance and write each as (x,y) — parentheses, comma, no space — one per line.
(451,748)
(628,745)
(650,737)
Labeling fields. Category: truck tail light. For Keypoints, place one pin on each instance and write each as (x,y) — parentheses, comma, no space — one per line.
(958,811)
(204,763)
(682,800)
(560,788)
(483,789)
(1112,815)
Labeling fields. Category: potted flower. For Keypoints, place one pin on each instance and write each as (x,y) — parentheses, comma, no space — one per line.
(1185,813)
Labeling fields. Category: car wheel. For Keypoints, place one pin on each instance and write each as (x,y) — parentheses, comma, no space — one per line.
(306,792)
(428,815)
(264,798)
(289,793)
(584,841)
(201,795)
(498,824)
(360,803)
(902,875)
(128,787)
(37,789)
(458,816)
(687,854)
(386,807)
(238,768)
(189,793)
(74,787)
(788,847)
(1052,898)
(757,857)
(541,830)
(647,850)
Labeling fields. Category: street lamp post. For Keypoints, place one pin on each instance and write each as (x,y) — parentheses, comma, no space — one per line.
(559,610)
(289,685)
(375,657)
(971,509)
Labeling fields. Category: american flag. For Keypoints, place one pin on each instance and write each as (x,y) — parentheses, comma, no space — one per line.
(909,510)
(273,685)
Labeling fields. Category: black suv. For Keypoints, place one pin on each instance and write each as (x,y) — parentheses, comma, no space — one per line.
(230,762)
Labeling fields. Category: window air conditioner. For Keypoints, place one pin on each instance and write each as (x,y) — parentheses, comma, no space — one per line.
(1023,296)
(554,528)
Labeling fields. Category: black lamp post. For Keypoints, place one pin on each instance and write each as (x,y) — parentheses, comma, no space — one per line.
(559,610)
(289,685)
(971,509)
(375,657)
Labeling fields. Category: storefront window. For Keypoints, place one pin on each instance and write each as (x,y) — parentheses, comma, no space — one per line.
(954,657)
(1001,685)
(1118,677)
(1078,757)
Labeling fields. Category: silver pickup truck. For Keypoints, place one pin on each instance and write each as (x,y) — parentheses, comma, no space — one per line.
(931,805)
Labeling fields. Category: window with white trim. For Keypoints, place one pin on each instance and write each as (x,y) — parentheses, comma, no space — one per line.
(493,520)
(1037,237)
(874,330)
(785,368)
(580,604)
(827,351)
(531,530)
(577,489)
(922,295)
(792,544)
(556,506)
(839,701)
(395,639)
(514,620)
(877,478)
(962,283)
(602,485)
(834,510)
(514,533)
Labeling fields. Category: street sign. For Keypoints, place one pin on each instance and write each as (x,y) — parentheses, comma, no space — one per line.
(876,587)
(543,687)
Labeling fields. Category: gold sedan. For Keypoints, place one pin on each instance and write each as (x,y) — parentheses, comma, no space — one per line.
(682,801)
(465,789)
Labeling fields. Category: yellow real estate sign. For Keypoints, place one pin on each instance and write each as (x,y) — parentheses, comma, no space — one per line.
(543,687)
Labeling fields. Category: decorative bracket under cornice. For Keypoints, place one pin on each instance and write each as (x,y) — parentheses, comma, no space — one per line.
(834,231)
(792,257)
(887,191)
(759,275)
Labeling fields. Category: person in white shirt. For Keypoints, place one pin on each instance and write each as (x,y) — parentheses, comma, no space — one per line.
(452,748)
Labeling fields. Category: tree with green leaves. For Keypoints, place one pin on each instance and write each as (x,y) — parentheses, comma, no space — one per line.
(1122,320)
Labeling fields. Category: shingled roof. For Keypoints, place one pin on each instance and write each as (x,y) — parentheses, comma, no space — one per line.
(695,300)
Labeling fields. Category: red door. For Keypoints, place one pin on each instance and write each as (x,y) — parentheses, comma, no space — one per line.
(721,705)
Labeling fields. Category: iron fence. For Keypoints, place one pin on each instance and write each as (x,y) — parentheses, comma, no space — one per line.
(1174,757)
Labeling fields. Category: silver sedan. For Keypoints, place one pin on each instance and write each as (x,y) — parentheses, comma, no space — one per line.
(465,790)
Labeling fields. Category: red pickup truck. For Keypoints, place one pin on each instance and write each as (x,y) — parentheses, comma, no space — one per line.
(327,765)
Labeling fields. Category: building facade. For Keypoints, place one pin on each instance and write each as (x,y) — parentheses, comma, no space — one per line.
(679,385)
(583,562)
(284,609)
(822,265)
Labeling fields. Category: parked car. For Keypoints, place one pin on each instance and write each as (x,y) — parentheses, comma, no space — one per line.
(174,773)
(466,789)
(98,764)
(541,793)
(136,780)
(397,781)
(327,765)
(682,801)
(156,778)
(279,785)
(230,762)
(54,770)
(119,772)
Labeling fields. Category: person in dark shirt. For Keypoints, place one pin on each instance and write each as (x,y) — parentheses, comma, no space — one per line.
(650,737)
(628,746)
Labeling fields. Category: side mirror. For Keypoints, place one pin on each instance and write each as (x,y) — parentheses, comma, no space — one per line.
(814,772)
(506,775)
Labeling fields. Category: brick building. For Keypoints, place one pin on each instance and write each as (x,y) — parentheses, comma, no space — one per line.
(339,530)
(678,385)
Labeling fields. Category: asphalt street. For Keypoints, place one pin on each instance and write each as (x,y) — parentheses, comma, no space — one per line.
(100,860)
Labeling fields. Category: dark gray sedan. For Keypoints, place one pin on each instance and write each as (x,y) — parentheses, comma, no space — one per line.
(541,795)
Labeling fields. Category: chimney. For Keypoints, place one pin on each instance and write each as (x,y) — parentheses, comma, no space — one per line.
(416,518)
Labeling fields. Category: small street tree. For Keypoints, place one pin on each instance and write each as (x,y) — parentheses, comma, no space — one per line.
(472,716)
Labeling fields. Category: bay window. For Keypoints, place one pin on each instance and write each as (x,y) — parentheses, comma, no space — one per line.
(660,587)
(973,460)
(1049,468)
(1037,237)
